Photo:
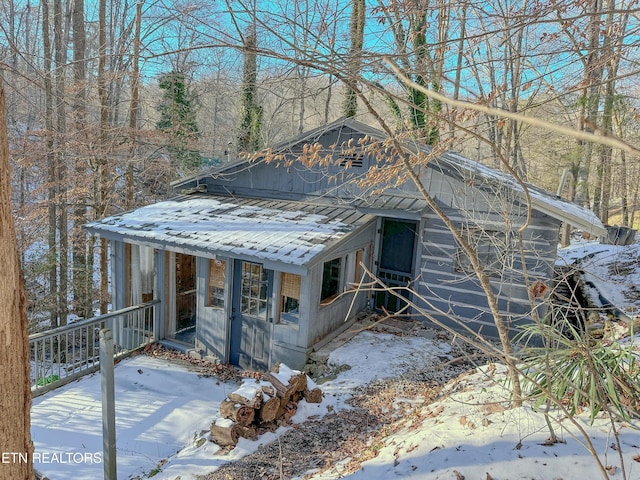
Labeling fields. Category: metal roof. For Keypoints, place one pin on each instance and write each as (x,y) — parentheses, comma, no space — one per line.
(541,200)
(265,230)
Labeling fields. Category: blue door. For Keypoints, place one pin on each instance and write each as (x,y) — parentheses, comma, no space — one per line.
(395,268)
(251,316)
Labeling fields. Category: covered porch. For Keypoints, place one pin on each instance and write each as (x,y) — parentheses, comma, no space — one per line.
(242,281)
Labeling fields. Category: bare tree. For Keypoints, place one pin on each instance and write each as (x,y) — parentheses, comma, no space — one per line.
(60,47)
(51,160)
(104,185)
(356,31)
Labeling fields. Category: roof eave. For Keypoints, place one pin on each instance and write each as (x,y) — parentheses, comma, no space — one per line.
(591,225)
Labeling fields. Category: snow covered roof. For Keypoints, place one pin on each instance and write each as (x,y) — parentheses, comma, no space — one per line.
(541,200)
(265,230)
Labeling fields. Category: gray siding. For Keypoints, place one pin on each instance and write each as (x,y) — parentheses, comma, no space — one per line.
(474,197)
(329,318)
(444,288)
(292,178)
(289,343)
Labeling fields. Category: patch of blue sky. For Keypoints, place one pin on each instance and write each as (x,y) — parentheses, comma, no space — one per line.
(205,37)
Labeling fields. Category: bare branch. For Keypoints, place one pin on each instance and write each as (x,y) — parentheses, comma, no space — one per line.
(604,138)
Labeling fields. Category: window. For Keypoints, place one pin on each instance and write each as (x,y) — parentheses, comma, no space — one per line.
(491,246)
(290,298)
(217,281)
(330,279)
(255,283)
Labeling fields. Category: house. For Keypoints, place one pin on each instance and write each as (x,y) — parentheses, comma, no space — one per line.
(251,261)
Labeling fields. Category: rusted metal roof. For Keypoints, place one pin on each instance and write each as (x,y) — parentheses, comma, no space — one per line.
(265,230)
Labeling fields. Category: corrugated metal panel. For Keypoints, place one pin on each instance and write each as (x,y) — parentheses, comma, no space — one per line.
(289,232)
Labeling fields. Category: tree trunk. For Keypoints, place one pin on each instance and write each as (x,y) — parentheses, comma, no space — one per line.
(611,51)
(358,15)
(133,110)
(590,101)
(80,269)
(103,187)
(52,190)
(250,110)
(61,127)
(15,401)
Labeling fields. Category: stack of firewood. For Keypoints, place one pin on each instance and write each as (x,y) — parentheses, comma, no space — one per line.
(263,405)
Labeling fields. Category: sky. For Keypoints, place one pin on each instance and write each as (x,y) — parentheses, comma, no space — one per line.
(163,413)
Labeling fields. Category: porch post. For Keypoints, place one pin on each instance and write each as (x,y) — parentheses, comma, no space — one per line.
(159,293)
(108,405)
(119,283)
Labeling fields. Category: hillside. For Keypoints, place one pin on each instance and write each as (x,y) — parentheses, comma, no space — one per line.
(401,401)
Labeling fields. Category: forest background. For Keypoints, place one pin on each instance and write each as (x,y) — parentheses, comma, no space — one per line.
(110,101)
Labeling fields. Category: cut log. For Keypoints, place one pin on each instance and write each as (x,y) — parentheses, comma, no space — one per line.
(312,393)
(313,396)
(299,380)
(248,432)
(283,390)
(267,427)
(249,394)
(237,412)
(267,389)
(269,410)
(287,376)
(225,432)
(289,411)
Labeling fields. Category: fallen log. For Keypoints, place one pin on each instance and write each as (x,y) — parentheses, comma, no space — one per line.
(237,412)
(225,432)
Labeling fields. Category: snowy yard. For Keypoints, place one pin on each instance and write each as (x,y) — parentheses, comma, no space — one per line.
(164,410)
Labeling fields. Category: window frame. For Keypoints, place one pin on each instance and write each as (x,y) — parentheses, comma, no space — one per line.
(254,290)
(221,294)
(336,279)
(288,292)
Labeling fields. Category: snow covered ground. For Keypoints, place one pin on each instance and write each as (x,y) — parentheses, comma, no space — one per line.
(163,413)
